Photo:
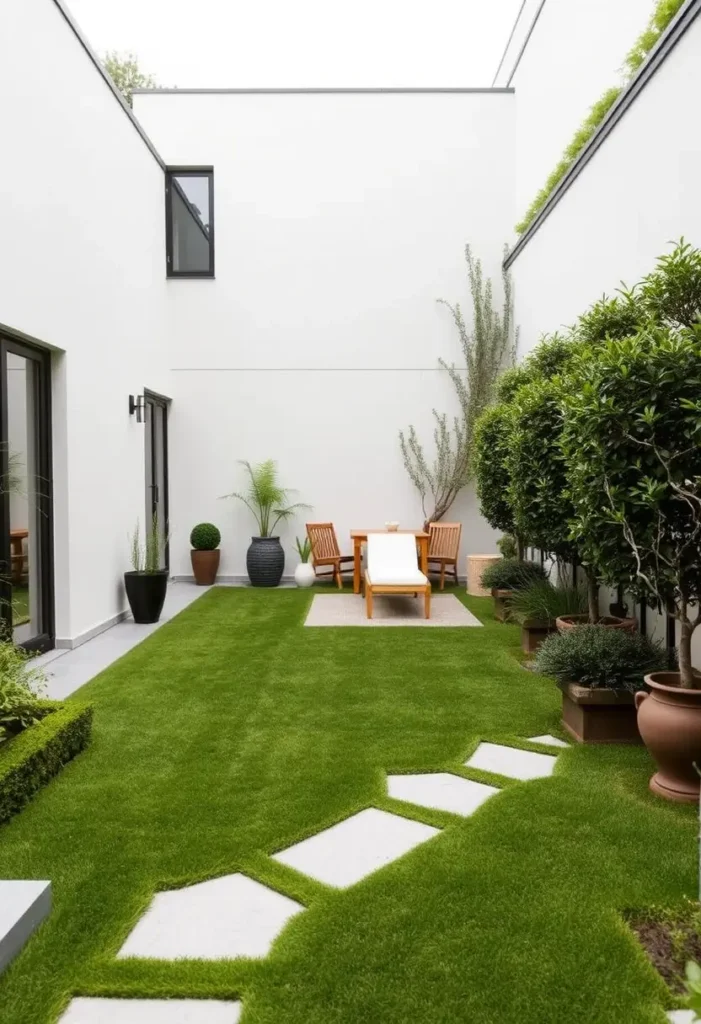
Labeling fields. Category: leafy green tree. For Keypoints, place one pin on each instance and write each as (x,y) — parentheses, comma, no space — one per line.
(671,294)
(632,441)
(126,74)
(492,440)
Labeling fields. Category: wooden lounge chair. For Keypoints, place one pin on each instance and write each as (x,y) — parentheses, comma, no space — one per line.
(326,553)
(393,568)
(443,548)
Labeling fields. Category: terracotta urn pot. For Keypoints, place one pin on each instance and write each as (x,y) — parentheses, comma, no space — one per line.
(669,720)
(565,622)
(204,566)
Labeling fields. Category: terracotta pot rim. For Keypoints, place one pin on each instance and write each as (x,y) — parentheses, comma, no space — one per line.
(605,622)
(652,681)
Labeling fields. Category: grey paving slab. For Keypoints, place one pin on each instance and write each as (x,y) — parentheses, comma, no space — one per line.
(512,762)
(441,791)
(548,740)
(151,1011)
(350,610)
(68,670)
(23,906)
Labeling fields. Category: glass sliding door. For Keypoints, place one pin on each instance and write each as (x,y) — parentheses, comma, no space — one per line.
(26,524)
(156,416)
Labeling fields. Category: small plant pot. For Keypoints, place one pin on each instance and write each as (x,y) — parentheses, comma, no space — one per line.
(669,719)
(565,622)
(593,715)
(204,566)
(265,561)
(146,592)
(304,574)
(502,600)
(533,632)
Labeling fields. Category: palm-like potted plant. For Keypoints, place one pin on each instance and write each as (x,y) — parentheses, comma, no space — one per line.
(269,504)
(205,539)
(633,442)
(147,582)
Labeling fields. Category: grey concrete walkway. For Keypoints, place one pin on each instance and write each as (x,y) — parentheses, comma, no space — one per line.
(68,670)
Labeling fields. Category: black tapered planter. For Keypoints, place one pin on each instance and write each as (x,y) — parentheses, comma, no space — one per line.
(265,561)
(146,592)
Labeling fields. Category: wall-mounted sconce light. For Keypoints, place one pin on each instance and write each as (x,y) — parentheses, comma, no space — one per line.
(136,405)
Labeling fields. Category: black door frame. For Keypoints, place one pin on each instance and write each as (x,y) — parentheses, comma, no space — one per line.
(41,358)
(153,398)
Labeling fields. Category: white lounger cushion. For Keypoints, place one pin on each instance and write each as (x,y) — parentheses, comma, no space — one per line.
(392,560)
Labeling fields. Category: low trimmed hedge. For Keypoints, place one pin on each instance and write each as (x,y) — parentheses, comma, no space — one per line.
(31,759)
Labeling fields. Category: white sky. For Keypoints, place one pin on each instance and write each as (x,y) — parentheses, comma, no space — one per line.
(277,43)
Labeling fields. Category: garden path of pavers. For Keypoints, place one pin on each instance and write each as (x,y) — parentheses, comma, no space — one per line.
(236,916)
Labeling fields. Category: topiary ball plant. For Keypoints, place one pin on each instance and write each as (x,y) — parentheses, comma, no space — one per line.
(205,537)
(511,574)
(596,657)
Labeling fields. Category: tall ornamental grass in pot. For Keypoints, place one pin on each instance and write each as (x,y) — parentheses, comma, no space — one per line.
(269,504)
(147,582)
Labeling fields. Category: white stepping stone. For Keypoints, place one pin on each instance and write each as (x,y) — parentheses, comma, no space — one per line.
(681,1016)
(354,848)
(548,740)
(440,790)
(23,906)
(151,1011)
(214,920)
(509,761)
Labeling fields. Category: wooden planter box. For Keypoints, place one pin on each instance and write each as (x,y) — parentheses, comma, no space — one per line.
(533,633)
(599,716)
(502,599)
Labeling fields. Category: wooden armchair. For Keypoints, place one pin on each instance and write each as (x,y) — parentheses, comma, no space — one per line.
(326,553)
(443,548)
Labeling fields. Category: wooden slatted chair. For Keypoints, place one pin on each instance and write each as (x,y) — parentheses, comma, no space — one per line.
(326,552)
(443,548)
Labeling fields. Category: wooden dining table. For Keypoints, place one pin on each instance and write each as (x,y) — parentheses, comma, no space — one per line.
(359,537)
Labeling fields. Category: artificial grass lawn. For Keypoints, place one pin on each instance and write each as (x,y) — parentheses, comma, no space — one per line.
(232,732)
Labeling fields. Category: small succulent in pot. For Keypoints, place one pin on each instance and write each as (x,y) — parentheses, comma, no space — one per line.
(304,573)
(205,539)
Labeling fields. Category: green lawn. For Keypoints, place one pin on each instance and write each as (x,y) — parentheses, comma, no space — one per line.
(233,731)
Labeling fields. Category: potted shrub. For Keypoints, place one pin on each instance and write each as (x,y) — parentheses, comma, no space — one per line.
(599,671)
(146,584)
(267,500)
(205,539)
(506,576)
(633,426)
(304,573)
(537,607)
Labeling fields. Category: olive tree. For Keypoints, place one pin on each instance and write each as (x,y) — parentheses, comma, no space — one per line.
(632,444)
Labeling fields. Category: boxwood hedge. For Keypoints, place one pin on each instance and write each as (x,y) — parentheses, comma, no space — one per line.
(31,759)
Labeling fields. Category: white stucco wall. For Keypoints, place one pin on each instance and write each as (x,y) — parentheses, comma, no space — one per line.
(573,55)
(340,218)
(639,191)
(82,269)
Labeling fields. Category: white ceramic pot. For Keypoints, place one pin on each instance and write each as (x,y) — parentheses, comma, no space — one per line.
(304,574)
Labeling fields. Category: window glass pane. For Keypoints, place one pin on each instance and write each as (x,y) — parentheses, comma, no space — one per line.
(190,226)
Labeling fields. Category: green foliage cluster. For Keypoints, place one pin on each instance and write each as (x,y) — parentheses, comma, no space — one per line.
(511,574)
(31,759)
(508,546)
(304,549)
(664,12)
(492,440)
(20,688)
(542,602)
(485,350)
(124,70)
(205,537)
(596,657)
(265,498)
(146,553)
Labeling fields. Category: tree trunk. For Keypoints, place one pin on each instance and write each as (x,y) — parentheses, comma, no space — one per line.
(686,672)
(521,548)
(593,598)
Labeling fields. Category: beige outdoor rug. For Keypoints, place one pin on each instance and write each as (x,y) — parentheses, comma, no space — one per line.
(349,610)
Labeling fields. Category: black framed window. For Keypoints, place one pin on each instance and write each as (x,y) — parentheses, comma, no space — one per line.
(190,222)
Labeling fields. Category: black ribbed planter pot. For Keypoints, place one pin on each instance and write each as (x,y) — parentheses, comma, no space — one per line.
(265,561)
(146,592)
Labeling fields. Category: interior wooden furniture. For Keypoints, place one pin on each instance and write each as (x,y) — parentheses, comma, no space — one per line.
(326,552)
(393,569)
(359,537)
(18,555)
(443,548)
